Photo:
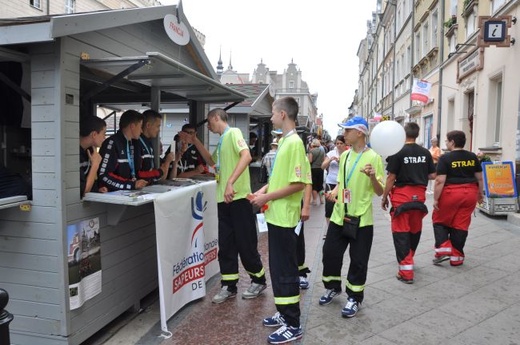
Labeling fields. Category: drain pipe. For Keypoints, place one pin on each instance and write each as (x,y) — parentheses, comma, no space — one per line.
(441,69)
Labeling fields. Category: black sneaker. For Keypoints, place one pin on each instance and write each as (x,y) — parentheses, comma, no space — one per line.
(438,259)
(401,279)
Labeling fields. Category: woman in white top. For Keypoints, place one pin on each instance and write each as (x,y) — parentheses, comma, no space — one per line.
(330,163)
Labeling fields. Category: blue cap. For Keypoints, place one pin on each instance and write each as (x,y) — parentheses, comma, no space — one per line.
(357,122)
(276,131)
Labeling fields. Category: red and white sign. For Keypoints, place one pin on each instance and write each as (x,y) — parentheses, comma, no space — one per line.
(421,90)
(187,245)
(176,30)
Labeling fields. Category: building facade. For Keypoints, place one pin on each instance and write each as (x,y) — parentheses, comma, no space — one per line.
(29,8)
(473,87)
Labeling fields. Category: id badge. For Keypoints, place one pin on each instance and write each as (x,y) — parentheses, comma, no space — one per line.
(346,196)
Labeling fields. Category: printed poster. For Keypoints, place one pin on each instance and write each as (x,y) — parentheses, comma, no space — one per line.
(84,258)
(499,179)
(187,245)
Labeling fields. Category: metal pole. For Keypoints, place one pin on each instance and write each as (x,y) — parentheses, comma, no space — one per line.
(5,318)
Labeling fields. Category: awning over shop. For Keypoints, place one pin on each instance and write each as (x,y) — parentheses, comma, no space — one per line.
(155,70)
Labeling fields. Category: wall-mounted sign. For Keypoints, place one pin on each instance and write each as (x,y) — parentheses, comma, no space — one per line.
(493,31)
(176,30)
(473,61)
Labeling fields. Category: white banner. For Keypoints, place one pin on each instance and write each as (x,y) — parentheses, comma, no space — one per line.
(421,90)
(187,245)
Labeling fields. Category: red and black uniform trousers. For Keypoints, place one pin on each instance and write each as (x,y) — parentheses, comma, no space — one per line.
(283,267)
(333,252)
(237,237)
(407,213)
(452,219)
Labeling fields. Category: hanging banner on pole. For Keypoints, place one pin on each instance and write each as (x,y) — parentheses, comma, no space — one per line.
(421,90)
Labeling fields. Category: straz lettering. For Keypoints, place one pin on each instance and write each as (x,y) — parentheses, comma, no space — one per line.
(420,159)
(462,164)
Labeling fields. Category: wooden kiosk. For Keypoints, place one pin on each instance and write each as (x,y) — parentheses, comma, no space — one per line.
(85,60)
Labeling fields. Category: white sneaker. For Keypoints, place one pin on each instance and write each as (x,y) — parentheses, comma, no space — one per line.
(223,295)
(254,291)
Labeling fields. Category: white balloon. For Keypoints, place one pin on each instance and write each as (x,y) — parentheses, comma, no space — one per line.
(387,138)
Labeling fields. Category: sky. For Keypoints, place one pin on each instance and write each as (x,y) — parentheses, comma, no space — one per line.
(320,37)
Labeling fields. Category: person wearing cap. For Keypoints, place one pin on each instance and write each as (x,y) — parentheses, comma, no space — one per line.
(408,173)
(283,196)
(236,221)
(360,176)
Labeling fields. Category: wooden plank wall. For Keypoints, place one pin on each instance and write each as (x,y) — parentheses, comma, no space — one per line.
(33,245)
(31,250)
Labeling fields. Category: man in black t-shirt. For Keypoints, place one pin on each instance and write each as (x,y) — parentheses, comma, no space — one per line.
(408,173)
(191,162)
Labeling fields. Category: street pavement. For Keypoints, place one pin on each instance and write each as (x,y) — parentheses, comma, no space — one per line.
(476,303)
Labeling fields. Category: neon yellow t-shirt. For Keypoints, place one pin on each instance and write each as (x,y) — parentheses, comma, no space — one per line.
(291,165)
(232,142)
(361,190)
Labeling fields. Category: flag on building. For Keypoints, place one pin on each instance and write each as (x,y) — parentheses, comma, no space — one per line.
(421,90)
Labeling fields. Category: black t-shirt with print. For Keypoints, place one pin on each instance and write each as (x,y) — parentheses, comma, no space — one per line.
(459,167)
(411,165)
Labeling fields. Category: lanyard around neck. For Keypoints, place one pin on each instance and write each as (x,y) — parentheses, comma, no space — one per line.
(130,156)
(351,170)
(148,150)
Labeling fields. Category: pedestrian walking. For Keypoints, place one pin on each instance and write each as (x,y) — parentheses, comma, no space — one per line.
(316,156)
(351,223)
(331,166)
(408,173)
(268,159)
(236,221)
(458,189)
(283,197)
(436,152)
